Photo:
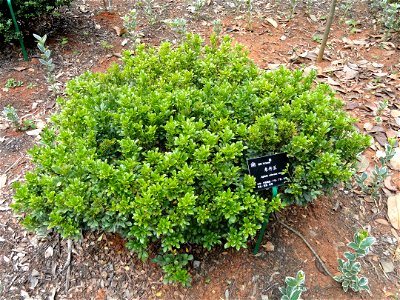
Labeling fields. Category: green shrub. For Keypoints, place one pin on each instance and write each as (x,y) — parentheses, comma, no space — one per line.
(156,149)
(25,11)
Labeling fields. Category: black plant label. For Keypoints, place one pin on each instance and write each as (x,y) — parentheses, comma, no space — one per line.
(268,170)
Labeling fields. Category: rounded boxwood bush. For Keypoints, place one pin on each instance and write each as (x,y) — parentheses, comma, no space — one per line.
(26,12)
(156,150)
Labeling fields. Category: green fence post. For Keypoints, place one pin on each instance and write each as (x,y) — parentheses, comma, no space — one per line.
(264,225)
(21,40)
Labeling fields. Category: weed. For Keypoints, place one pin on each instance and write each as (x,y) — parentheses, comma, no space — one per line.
(198,5)
(178,25)
(349,269)
(353,25)
(294,287)
(173,266)
(10,113)
(12,83)
(64,41)
(293,5)
(31,85)
(148,10)
(217,27)
(106,45)
(130,21)
(379,174)
(309,6)
(46,59)
(317,38)
(382,105)
(378,120)
(346,6)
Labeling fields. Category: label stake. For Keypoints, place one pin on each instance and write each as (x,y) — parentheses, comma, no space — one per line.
(264,225)
(21,40)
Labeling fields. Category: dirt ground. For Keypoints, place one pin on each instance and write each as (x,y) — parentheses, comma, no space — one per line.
(361,64)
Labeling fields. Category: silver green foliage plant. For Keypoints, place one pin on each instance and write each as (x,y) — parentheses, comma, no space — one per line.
(294,287)
(178,25)
(130,24)
(130,21)
(217,27)
(11,83)
(349,269)
(149,11)
(10,113)
(379,174)
(46,59)
(198,5)
(388,13)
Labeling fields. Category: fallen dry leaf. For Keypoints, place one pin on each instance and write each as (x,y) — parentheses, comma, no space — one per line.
(363,164)
(396,254)
(395,113)
(272,22)
(389,185)
(34,132)
(381,138)
(313,18)
(119,31)
(332,82)
(349,73)
(20,69)
(393,204)
(3,180)
(382,221)
(368,126)
(395,161)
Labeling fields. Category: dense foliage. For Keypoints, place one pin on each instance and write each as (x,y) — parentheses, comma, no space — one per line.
(25,11)
(156,149)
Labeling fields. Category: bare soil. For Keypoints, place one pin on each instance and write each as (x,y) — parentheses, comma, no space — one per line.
(362,66)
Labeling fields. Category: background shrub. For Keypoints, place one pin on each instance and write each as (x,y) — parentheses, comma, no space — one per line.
(156,150)
(26,11)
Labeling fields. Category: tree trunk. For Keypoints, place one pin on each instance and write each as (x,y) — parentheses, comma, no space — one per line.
(327,30)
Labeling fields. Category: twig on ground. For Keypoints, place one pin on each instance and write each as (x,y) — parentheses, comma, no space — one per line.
(68,266)
(307,243)
(13,165)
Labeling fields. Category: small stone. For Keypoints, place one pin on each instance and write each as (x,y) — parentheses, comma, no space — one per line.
(227,295)
(49,252)
(25,295)
(104,274)
(264,297)
(35,273)
(283,38)
(196,264)
(387,266)
(34,132)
